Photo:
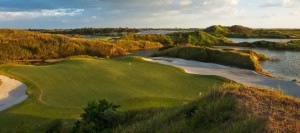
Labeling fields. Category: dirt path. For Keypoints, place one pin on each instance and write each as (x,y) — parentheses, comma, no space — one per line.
(243,76)
(11,92)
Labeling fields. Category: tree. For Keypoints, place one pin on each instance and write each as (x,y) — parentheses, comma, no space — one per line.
(98,117)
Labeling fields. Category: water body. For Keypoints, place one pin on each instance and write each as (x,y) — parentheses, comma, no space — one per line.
(287,68)
(239,40)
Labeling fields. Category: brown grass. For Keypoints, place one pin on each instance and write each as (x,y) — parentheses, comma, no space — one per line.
(282,112)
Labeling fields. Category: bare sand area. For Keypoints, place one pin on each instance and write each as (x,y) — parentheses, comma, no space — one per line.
(11,92)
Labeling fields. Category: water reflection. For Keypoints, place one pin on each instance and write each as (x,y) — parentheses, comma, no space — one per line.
(288,67)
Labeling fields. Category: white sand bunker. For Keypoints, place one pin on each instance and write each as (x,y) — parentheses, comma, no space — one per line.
(243,76)
(11,92)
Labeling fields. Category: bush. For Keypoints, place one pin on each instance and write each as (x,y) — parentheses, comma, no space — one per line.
(98,117)
(56,126)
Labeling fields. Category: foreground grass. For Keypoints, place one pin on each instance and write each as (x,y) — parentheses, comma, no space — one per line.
(231,108)
(61,90)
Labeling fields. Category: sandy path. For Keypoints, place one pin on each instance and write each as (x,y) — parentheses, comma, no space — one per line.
(243,76)
(11,92)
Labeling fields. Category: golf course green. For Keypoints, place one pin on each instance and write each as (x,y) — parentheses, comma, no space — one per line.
(61,90)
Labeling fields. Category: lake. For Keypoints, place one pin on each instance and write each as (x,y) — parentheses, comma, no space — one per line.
(239,40)
(287,68)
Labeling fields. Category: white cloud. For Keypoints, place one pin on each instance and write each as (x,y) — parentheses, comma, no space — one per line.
(185,2)
(10,16)
(221,6)
(282,3)
(163,2)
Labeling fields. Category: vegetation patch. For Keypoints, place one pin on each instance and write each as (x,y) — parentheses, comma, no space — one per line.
(239,31)
(243,59)
(280,111)
(293,45)
(197,38)
(27,45)
(229,108)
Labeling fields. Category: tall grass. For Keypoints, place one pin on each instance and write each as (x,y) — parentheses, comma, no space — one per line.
(245,59)
(215,112)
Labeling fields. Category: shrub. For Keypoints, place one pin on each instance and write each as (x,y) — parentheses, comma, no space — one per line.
(56,126)
(98,117)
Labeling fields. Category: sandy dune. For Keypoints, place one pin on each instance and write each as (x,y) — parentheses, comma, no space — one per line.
(11,92)
(243,76)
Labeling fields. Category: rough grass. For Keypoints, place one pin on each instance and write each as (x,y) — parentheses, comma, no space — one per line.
(243,59)
(231,108)
(62,89)
(282,112)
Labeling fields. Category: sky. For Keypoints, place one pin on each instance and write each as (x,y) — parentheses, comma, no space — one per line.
(62,14)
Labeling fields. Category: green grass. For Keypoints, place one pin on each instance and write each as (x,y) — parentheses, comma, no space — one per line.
(61,90)
(215,112)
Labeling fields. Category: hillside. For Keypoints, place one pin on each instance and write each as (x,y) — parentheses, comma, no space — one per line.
(230,108)
(197,38)
(27,45)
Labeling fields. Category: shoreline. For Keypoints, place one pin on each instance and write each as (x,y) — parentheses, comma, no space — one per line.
(12,92)
(243,76)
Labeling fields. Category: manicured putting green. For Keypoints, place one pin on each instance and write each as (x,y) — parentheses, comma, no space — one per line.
(72,83)
(61,90)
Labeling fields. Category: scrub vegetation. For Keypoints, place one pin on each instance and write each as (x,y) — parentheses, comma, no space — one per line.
(26,45)
(197,38)
(293,45)
(238,31)
(244,59)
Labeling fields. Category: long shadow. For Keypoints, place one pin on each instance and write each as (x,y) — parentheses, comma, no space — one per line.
(26,123)
(16,96)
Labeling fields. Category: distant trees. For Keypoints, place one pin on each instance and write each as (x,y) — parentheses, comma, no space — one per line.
(91,31)
(98,117)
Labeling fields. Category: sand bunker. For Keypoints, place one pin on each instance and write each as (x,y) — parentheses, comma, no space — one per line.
(243,76)
(11,92)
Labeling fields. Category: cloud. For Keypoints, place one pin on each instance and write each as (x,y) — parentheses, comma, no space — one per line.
(282,3)
(186,2)
(222,7)
(17,15)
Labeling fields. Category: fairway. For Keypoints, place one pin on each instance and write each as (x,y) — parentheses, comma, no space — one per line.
(61,90)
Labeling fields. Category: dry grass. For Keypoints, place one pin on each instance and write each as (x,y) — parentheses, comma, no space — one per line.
(282,112)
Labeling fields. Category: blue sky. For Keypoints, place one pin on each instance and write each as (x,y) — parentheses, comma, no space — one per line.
(148,13)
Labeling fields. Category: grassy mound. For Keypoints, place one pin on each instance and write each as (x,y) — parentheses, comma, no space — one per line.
(197,38)
(231,108)
(243,59)
(162,39)
(62,89)
(216,29)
